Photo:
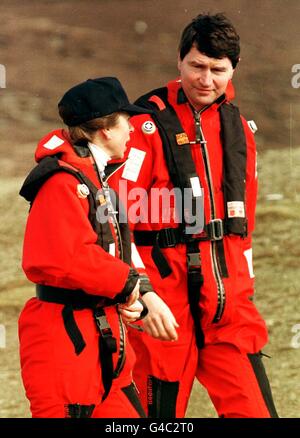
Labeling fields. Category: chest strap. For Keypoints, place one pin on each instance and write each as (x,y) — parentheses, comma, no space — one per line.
(170,237)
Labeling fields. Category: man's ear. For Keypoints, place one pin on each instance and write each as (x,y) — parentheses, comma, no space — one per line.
(239,60)
(232,72)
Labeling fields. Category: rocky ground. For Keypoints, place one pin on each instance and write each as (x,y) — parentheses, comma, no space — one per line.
(45,47)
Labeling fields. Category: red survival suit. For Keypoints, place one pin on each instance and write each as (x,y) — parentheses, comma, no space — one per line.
(69,260)
(228,363)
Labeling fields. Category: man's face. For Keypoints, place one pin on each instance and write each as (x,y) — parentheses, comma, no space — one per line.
(204,79)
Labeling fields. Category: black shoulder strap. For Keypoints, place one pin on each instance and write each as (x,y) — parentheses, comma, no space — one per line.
(177,154)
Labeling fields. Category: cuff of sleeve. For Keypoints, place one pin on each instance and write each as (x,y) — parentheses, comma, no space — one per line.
(130,284)
(145,285)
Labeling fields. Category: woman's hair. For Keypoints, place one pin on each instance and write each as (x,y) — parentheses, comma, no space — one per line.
(87,130)
(213,35)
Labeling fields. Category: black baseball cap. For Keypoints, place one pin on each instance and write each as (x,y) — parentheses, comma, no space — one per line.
(95,98)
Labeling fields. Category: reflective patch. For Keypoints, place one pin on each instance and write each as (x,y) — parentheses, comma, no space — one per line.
(248,256)
(112,249)
(195,183)
(136,258)
(133,165)
(235,209)
(252,125)
(53,143)
(148,127)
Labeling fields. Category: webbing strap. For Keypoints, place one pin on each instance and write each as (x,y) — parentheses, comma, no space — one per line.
(107,346)
(194,283)
(182,167)
(72,329)
(169,238)
(76,410)
(221,258)
(160,261)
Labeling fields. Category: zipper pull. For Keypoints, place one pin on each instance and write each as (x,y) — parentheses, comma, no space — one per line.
(197,127)
(199,134)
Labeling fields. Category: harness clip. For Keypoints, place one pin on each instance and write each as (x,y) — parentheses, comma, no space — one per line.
(103,325)
(193,261)
(215,229)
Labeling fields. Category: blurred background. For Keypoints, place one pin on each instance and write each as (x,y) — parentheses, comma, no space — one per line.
(48,46)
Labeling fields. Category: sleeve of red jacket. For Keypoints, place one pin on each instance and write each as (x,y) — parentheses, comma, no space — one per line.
(251,197)
(251,177)
(60,244)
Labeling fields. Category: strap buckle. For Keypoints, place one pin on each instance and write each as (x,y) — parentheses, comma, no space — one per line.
(105,330)
(103,326)
(193,261)
(215,229)
(167,238)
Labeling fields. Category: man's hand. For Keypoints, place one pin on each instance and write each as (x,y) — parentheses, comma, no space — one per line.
(160,321)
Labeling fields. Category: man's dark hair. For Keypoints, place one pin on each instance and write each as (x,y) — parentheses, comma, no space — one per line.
(213,35)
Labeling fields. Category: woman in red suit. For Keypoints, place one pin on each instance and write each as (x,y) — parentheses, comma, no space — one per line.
(75,356)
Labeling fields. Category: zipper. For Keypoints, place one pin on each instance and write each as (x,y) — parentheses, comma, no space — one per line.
(113,214)
(216,269)
(122,350)
(116,223)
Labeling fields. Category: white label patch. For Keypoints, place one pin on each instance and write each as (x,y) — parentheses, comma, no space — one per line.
(136,258)
(248,256)
(133,165)
(112,249)
(53,143)
(195,183)
(236,209)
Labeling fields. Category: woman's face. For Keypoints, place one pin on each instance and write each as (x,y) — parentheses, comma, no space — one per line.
(118,136)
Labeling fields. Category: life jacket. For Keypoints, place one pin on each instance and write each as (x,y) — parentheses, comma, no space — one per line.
(50,165)
(181,166)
